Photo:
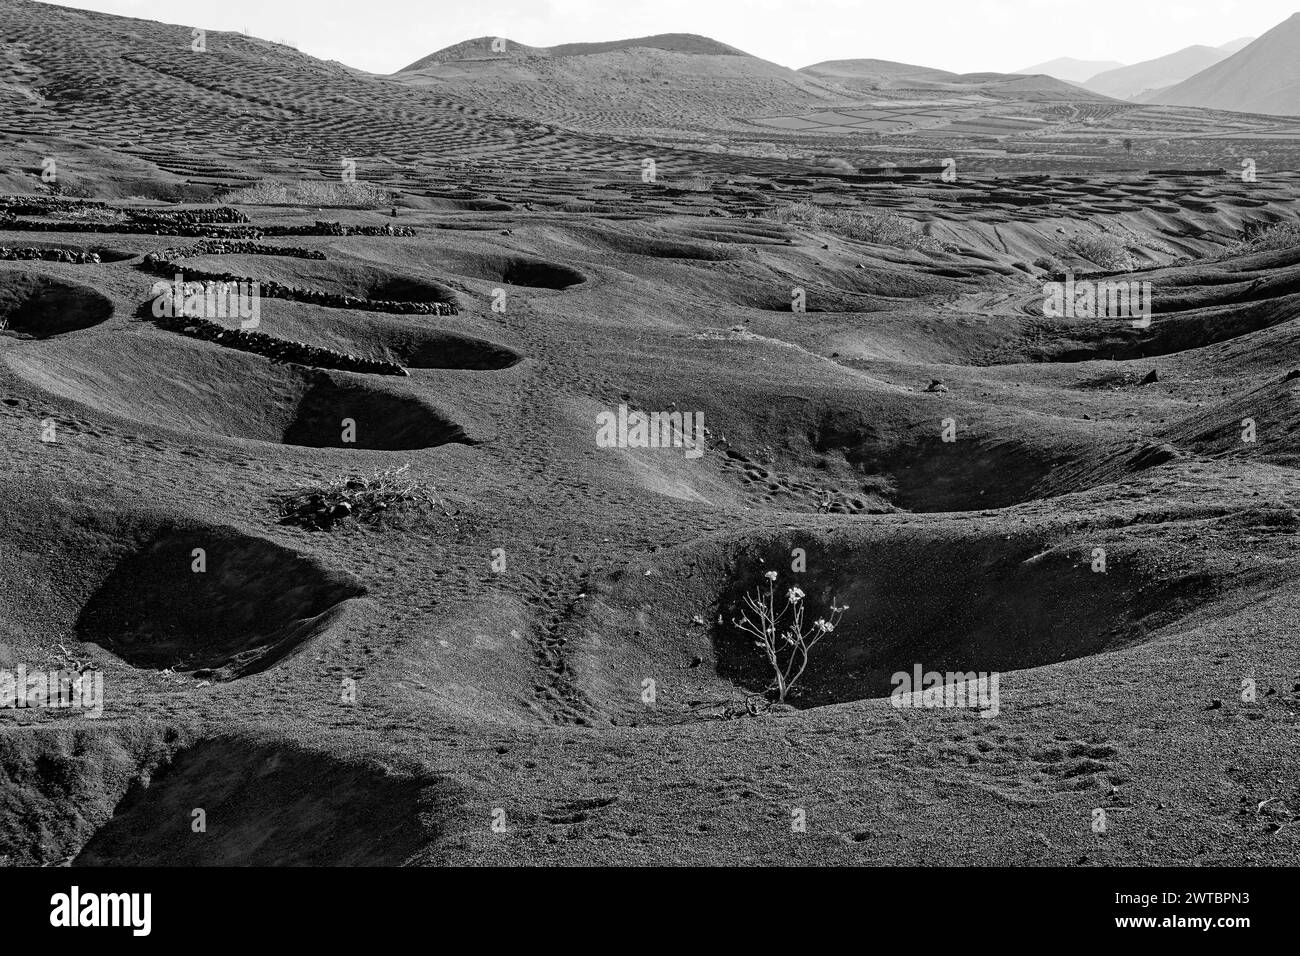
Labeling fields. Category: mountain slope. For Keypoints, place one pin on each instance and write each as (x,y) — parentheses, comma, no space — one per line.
(497,48)
(876,74)
(671,81)
(1072,70)
(1264,77)
(872,76)
(1233,46)
(128,101)
(1129,82)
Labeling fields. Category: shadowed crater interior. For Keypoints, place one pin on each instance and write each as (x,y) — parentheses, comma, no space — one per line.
(265,805)
(38,307)
(957,604)
(251,603)
(331,411)
(419,348)
(539,275)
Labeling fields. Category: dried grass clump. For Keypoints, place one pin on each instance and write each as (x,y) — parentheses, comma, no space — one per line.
(367,500)
(886,230)
(695,184)
(311,193)
(1050,264)
(90,214)
(1106,251)
(1279,235)
(758,150)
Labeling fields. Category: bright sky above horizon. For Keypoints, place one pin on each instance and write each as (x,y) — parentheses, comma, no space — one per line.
(963,36)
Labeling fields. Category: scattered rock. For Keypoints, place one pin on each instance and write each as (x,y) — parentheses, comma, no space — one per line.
(221,222)
(275,349)
(170,262)
(70,256)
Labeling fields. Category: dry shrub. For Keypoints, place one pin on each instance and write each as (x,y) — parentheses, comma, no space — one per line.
(781,635)
(1050,265)
(366,500)
(1279,235)
(1103,250)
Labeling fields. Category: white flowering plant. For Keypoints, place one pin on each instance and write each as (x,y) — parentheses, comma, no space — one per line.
(782,635)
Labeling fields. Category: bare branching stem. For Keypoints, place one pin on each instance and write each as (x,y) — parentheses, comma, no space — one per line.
(782,635)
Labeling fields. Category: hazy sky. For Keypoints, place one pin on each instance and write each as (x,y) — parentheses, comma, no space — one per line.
(960,35)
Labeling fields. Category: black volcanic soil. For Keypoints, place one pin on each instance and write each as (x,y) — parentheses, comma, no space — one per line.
(973,553)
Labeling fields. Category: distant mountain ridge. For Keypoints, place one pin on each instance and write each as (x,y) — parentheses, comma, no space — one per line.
(1129,82)
(1262,77)
(668,81)
(875,74)
(1071,70)
(884,75)
(691,82)
(1233,46)
(493,48)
